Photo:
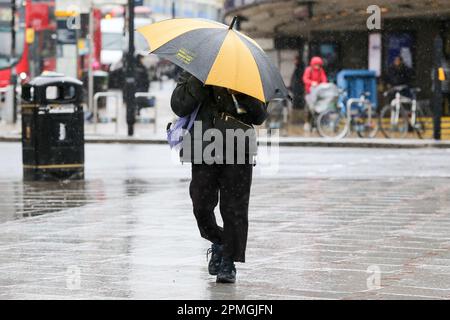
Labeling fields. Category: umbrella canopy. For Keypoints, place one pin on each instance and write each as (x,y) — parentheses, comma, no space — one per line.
(217,55)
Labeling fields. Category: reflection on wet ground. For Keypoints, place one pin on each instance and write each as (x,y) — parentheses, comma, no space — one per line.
(28,199)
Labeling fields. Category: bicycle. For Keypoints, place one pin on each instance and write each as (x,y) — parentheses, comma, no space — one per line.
(395,120)
(356,114)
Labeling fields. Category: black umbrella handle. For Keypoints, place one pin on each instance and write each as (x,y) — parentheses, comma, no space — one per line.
(233,22)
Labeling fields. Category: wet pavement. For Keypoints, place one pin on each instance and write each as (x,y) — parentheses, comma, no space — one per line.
(331,224)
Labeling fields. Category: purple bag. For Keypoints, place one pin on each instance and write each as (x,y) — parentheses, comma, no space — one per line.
(177,130)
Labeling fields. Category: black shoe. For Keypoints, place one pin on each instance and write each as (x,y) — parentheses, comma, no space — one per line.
(227,272)
(216,258)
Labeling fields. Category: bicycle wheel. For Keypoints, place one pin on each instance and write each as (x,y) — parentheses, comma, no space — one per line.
(420,125)
(366,128)
(332,124)
(393,126)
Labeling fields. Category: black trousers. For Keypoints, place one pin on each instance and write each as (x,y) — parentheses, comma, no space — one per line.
(231,183)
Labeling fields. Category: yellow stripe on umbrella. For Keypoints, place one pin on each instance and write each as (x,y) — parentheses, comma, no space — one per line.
(160,33)
(236,61)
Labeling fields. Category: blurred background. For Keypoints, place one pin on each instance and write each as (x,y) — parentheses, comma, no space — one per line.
(397,42)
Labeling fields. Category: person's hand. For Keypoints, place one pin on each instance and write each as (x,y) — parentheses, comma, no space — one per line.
(222,96)
(314,83)
(196,88)
(183,77)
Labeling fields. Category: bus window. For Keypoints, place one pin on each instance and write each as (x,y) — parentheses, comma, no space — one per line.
(6,60)
(48,44)
(112,41)
(5,35)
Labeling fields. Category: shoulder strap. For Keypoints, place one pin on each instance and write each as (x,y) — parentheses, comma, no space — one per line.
(193,116)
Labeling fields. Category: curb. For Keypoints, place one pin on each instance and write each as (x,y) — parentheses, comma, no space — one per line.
(9,139)
(106,140)
(365,144)
(288,142)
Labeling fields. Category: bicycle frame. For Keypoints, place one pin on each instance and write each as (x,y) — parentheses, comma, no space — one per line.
(397,103)
(413,111)
(364,110)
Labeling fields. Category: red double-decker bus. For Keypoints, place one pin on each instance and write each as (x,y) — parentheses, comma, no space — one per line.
(40,17)
(35,43)
(11,56)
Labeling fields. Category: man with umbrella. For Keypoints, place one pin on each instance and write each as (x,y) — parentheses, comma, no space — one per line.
(231,181)
(227,81)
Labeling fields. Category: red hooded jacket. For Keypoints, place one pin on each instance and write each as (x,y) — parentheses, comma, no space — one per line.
(311,74)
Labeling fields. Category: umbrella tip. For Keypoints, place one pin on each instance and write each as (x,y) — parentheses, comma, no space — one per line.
(233,22)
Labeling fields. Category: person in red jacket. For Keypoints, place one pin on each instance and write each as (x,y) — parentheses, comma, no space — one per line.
(313,76)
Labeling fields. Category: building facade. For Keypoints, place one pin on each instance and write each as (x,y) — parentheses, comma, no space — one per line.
(207,9)
(342,33)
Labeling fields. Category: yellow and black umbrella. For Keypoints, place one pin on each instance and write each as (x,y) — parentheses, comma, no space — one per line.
(217,55)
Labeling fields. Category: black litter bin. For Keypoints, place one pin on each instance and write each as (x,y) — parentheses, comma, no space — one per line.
(52,128)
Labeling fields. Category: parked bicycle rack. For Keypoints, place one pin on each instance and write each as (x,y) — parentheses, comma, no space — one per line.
(99,95)
(148,95)
(353,101)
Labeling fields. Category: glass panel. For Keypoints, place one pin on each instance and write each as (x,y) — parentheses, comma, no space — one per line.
(5,34)
(48,44)
(6,60)
(112,41)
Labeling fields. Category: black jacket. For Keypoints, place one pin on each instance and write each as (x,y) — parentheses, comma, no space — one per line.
(190,93)
(401,75)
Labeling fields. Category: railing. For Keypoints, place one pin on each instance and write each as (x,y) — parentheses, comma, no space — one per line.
(117,97)
(155,114)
